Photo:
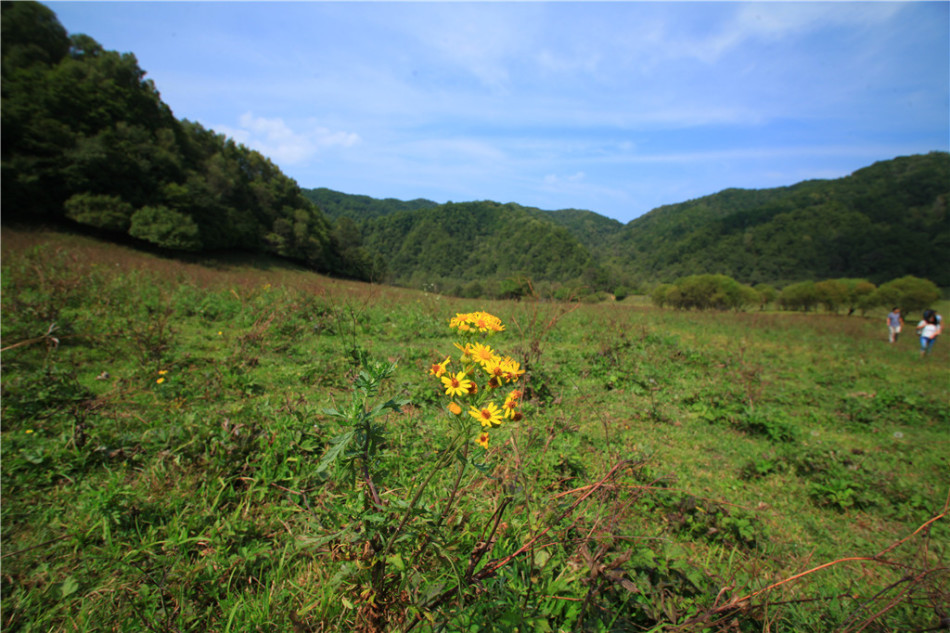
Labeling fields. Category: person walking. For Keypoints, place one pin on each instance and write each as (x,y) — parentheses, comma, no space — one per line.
(895,321)
(928,329)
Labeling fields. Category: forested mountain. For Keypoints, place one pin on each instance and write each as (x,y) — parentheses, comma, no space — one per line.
(491,244)
(880,223)
(86,138)
(594,231)
(357,207)
(462,247)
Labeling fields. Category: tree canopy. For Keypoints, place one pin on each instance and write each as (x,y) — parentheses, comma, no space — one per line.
(882,222)
(87,139)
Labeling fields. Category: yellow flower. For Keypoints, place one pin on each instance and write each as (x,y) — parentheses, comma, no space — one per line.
(162,372)
(486,322)
(160,380)
(489,415)
(511,404)
(483,440)
(219,333)
(512,369)
(455,408)
(28,431)
(495,369)
(460,322)
(437,369)
(483,354)
(457,385)
(481,321)
(466,351)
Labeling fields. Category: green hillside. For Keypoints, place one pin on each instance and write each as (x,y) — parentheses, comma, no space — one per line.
(591,229)
(88,142)
(881,222)
(357,207)
(461,247)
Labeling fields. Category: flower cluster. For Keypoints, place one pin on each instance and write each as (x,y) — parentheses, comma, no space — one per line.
(481,376)
(476,322)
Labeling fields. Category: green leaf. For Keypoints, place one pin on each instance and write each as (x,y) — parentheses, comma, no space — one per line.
(391,405)
(69,587)
(396,561)
(338,446)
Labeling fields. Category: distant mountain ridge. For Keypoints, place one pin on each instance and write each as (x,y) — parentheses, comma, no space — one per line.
(882,222)
(344,205)
(87,141)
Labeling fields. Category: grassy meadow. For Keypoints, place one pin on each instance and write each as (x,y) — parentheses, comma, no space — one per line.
(240,445)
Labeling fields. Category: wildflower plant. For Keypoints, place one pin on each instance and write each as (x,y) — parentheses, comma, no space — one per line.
(480,390)
(480,385)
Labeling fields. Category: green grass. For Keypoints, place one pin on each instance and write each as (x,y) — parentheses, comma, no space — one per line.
(668,464)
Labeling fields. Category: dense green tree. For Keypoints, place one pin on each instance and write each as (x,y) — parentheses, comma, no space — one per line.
(100,210)
(30,34)
(705,292)
(166,228)
(767,294)
(478,241)
(909,293)
(881,222)
(86,138)
(338,205)
(832,294)
(799,296)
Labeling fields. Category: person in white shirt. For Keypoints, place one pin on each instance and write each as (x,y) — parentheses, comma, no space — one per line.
(928,329)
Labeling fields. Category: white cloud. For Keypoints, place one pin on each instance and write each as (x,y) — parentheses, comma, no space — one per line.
(464,151)
(277,140)
(570,181)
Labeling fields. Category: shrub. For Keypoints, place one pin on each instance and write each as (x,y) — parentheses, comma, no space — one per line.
(832,294)
(104,212)
(801,296)
(164,227)
(910,293)
(704,292)
(860,293)
(659,295)
(767,294)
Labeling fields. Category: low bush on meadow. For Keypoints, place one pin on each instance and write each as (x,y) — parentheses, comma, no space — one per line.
(720,292)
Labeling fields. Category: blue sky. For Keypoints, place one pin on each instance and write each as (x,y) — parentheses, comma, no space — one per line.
(615,107)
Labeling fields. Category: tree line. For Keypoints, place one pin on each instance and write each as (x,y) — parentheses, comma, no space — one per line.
(721,292)
(882,222)
(87,139)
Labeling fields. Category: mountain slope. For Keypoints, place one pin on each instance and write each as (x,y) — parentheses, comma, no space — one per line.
(880,223)
(335,204)
(476,242)
(88,140)
(591,229)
